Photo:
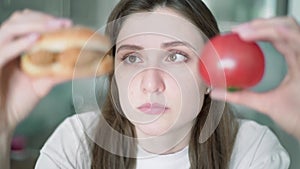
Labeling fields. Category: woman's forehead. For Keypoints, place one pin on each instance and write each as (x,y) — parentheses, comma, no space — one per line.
(159,24)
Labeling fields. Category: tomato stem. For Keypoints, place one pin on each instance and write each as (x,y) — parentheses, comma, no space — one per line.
(233,89)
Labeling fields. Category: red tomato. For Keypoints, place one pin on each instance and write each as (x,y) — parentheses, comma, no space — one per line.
(229,62)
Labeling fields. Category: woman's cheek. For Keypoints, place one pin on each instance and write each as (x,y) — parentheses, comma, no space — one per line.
(192,93)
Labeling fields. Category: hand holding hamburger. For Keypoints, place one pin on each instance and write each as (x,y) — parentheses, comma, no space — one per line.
(68,53)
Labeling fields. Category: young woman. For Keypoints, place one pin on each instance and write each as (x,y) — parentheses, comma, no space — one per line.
(158,113)
(158,105)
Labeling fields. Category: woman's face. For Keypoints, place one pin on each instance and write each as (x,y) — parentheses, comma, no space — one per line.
(156,72)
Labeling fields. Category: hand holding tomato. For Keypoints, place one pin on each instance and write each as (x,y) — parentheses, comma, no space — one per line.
(282,104)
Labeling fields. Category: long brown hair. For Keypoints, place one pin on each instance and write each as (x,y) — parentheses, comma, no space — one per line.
(214,153)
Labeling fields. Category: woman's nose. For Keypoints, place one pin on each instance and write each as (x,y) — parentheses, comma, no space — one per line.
(152,81)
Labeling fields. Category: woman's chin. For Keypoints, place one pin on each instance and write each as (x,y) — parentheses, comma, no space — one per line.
(152,130)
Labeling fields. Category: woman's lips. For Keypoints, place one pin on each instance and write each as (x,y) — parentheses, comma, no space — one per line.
(154,108)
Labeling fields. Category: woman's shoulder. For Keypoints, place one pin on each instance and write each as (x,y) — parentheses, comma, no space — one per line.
(257,146)
(69,143)
(250,128)
(76,126)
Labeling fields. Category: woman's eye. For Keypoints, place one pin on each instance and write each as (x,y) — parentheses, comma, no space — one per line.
(176,57)
(132,59)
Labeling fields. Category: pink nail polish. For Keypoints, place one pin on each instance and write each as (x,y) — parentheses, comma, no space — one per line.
(33,37)
(66,22)
(54,23)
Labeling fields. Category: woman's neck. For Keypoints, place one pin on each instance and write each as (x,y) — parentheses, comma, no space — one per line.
(168,143)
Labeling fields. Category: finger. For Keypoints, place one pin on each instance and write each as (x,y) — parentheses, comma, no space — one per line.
(13,30)
(288,22)
(249,33)
(15,48)
(29,15)
(264,29)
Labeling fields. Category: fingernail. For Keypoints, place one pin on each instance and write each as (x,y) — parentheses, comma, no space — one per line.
(33,37)
(60,22)
(54,23)
(66,22)
(244,30)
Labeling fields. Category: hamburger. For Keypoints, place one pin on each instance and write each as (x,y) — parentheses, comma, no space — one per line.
(67,53)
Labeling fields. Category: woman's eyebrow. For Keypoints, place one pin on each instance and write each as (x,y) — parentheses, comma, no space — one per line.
(177,43)
(129,47)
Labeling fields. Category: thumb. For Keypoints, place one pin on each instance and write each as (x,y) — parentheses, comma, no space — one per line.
(246,98)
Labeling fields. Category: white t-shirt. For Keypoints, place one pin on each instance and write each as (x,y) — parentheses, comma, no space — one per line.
(256,147)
